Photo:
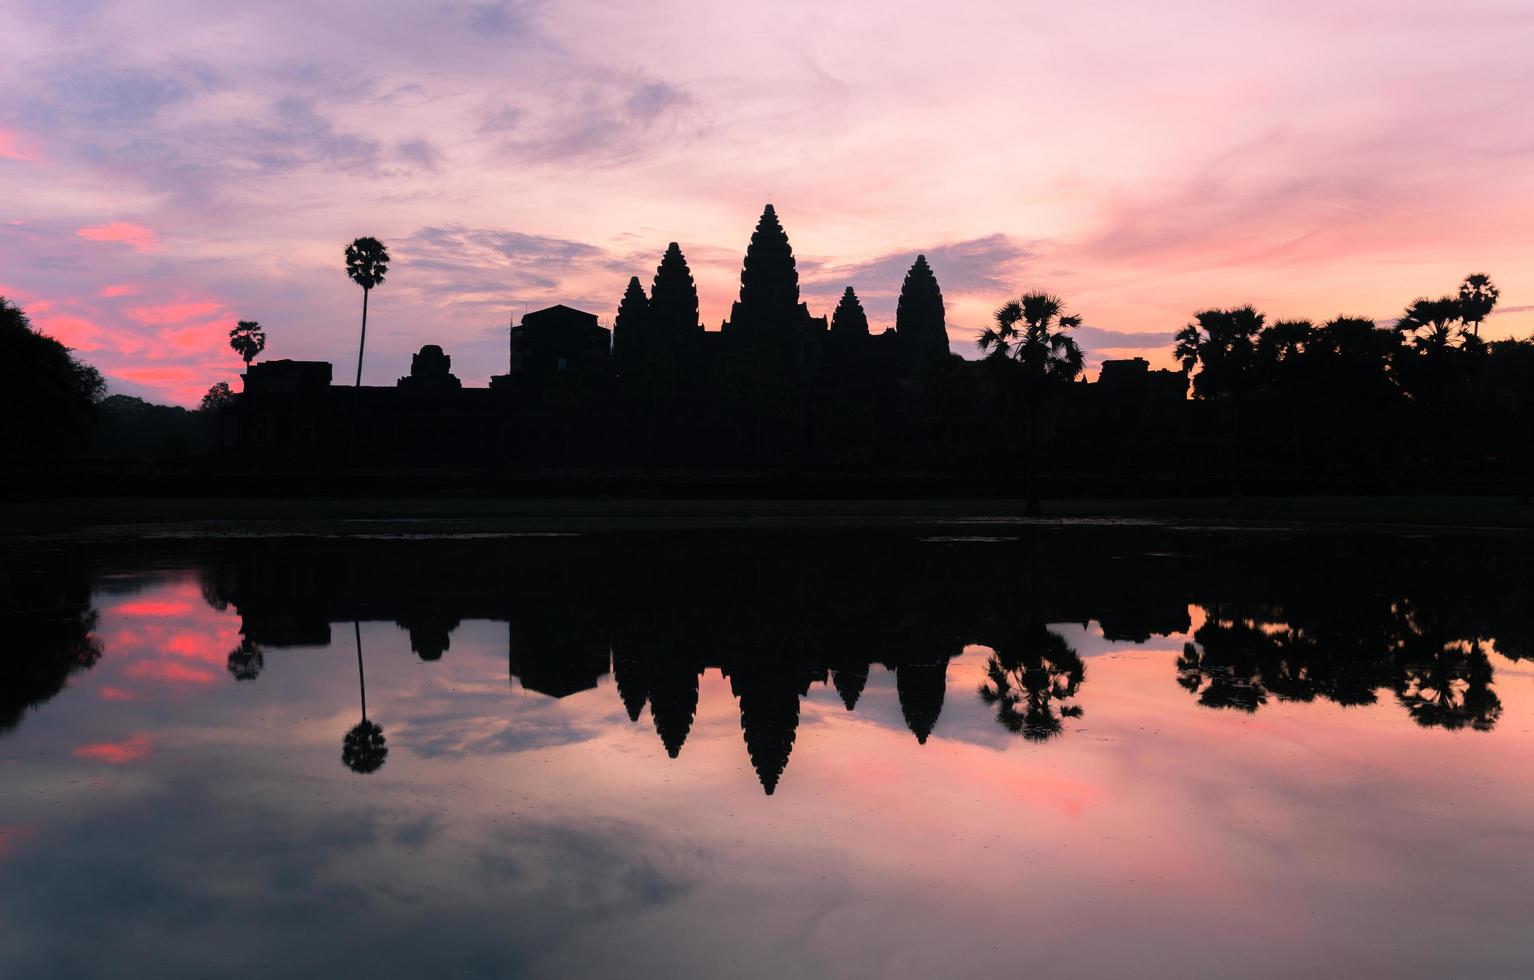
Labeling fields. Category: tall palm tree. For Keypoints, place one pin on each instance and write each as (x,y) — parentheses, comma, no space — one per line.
(1032,337)
(1222,344)
(1042,346)
(1430,323)
(367,262)
(1478,295)
(248,339)
(363,750)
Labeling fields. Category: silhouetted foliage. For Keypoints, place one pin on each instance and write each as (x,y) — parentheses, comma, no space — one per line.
(246,661)
(219,396)
(367,262)
(1478,296)
(1034,672)
(47,627)
(248,339)
(47,397)
(364,749)
(131,428)
(1043,348)
(1222,344)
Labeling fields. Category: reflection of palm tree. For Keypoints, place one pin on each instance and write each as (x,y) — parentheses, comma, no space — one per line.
(363,749)
(246,661)
(1444,680)
(1452,691)
(1027,677)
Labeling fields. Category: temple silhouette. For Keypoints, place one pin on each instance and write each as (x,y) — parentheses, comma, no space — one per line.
(775,388)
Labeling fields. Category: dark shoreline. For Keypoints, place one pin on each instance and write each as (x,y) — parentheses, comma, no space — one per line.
(241,516)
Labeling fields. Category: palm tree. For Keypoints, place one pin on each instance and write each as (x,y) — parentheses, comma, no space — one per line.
(1222,344)
(1477,296)
(367,261)
(1430,323)
(1031,337)
(1042,347)
(363,750)
(248,339)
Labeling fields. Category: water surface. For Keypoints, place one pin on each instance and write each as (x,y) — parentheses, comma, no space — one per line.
(961,751)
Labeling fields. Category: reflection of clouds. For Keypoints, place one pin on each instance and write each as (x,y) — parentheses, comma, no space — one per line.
(130,749)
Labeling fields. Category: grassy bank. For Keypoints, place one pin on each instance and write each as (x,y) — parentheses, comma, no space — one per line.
(420,515)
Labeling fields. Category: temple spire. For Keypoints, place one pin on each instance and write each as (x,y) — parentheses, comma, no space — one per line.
(849,319)
(769,280)
(631,328)
(674,301)
(919,320)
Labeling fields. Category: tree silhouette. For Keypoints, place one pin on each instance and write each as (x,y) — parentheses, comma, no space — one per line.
(367,262)
(1445,675)
(1478,295)
(364,749)
(1439,351)
(1042,347)
(1032,672)
(1031,340)
(217,397)
(47,397)
(1222,345)
(849,320)
(1429,323)
(48,625)
(246,661)
(248,339)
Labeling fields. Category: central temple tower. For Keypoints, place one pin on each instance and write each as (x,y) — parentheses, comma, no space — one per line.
(768,313)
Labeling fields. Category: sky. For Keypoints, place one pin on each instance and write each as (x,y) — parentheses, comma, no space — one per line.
(168,167)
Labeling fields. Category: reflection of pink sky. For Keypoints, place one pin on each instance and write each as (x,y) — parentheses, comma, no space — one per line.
(876,854)
(161,641)
(1159,159)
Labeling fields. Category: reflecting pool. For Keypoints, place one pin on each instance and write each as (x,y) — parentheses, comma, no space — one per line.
(958,751)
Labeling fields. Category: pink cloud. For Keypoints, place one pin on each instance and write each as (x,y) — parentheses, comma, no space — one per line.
(72,331)
(110,693)
(120,289)
(13,147)
(173,312)
(129,749)
(136,237)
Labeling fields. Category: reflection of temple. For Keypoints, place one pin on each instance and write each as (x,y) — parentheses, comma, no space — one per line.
(777,613)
